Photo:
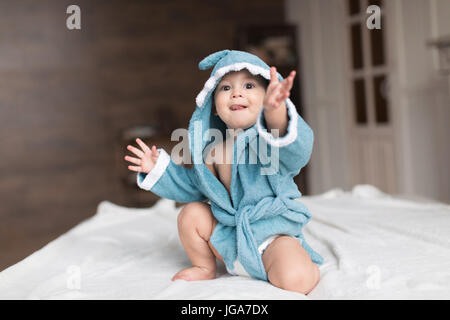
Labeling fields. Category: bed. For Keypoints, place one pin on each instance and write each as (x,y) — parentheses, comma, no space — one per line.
(374,246)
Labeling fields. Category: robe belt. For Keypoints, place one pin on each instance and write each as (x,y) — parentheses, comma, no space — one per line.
(246,243)
(265,208)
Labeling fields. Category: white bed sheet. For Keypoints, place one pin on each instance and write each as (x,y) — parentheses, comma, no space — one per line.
(374,246)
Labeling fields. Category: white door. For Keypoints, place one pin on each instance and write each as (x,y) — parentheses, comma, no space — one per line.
(372,157)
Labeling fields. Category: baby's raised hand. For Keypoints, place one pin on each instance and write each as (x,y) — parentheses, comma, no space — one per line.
(277,91)
(147,157)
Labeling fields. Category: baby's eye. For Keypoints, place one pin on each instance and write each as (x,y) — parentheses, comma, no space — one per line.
(249,85)
(225,87)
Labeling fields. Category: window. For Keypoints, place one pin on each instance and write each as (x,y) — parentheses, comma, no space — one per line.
(369,71)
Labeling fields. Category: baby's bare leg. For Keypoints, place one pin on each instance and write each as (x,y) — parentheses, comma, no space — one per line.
(195,226)
(289,266)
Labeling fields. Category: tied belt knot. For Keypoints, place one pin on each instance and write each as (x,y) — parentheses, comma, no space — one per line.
(247,250)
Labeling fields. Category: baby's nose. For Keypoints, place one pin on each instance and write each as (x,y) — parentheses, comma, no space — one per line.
(236,93)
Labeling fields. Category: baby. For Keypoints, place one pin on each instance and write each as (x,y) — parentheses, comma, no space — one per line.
(250,221)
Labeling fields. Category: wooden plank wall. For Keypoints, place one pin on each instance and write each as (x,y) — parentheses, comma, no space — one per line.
(66,95)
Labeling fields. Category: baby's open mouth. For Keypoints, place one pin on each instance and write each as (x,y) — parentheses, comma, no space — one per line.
(235,107)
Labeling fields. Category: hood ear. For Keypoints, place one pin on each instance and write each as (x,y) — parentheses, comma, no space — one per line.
(212,59)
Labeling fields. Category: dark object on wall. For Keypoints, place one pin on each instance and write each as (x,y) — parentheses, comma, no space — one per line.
(277,46)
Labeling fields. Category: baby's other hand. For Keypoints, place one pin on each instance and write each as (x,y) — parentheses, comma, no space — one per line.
(277,91)
(146,157)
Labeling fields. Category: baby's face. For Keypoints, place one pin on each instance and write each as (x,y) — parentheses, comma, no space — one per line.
(239,98)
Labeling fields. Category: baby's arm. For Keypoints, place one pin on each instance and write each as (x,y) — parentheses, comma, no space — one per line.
(295,139)
(159,174)
(275,112)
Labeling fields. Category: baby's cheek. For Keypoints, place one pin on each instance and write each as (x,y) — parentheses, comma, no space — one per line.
(261,99)
(262,95)
(218,100)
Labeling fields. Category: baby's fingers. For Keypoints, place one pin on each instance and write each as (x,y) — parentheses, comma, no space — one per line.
(133,160)
(154,151)
(135,168)
(288,82)
(282,96)
(136,151)
(143,146)
(273,76)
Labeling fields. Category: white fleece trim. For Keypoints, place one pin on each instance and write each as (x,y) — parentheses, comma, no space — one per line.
(211,82)
(291,135)
(153,176)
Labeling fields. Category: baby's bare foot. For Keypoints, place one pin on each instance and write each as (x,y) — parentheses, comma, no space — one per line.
(195,273)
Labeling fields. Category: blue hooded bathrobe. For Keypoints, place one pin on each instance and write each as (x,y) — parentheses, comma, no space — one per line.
(262,200)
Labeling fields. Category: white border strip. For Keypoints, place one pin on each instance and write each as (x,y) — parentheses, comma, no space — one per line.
(291,130)
(153,176)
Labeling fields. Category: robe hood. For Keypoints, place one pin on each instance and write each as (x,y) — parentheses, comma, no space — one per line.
(203,119)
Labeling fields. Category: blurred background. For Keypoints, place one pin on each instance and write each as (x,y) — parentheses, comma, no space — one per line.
(71,100)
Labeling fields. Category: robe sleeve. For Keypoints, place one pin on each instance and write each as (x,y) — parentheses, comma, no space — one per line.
(171,181)
(295,147)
